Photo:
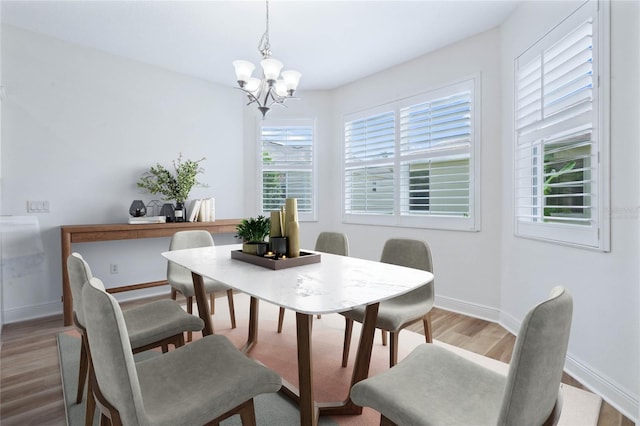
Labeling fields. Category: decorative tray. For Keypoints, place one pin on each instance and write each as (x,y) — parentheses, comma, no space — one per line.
(305,258)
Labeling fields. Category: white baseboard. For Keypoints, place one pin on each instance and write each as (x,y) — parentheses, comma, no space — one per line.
(597,383)
(466,308)
(26,313)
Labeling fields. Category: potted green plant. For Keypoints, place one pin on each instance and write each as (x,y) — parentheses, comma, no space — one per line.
(253,232)
(173,186)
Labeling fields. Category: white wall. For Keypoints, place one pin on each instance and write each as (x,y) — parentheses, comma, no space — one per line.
(1,245)
(603,349)
(467,264)
(79,128)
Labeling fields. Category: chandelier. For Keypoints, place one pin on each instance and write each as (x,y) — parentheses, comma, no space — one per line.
(270,89)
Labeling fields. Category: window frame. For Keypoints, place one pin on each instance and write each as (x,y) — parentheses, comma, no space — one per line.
(301,122)
(470,223)
(597,236)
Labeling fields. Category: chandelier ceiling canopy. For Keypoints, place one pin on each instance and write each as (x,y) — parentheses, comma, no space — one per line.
(271,89)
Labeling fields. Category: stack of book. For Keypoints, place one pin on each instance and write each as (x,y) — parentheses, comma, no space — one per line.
(202,210)
(147,219)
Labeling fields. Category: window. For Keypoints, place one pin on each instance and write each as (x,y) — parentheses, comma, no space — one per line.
(560,142)
(411,162)
(287,166)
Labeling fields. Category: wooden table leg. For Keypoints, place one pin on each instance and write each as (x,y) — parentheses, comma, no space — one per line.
(308,411)
(67,297)
(361,367)
(252,338)
(203,306)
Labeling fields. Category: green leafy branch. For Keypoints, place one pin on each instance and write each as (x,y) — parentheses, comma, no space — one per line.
(173,186)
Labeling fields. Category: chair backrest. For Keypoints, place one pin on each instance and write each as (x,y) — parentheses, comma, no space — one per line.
(333,242)
(537,362)
(412,254)
(79,274)
(185,240)
(113,363)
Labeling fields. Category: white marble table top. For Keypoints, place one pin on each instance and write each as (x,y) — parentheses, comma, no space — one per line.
(336,284)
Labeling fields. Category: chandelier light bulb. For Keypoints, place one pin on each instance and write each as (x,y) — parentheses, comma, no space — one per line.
(244,69)
(281,88)
(291,79)
(271,68)
(253,84)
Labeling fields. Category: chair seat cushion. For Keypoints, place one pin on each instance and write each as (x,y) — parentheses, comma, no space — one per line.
(158,320)
(185,286)
(201,381)
(394,313)
(434,386)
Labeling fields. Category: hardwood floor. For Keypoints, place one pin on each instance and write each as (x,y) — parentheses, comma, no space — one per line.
(31,390)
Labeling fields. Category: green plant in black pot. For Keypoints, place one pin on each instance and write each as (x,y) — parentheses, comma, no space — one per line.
(253,232)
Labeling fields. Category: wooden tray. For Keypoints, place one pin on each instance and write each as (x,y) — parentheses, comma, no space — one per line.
(305,258)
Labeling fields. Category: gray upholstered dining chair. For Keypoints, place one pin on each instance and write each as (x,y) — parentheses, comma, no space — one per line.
(180,279)
(199,383)
(434,386)
(399,312)
(154,324)
(328,242)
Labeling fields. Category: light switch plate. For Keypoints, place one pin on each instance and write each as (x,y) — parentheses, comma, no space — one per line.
(37,206)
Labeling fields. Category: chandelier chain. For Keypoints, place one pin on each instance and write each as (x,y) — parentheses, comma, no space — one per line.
(264,47)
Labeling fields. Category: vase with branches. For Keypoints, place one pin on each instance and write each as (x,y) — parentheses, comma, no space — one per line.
(176,185)
(173,185)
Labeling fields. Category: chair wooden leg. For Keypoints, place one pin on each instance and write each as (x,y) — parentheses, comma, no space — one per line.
(84,365)
(109,414)
(428,331)
(232,309)
(385,421)
(280,319)
(190,311)
(393,348)
(383,333)
(179,341)
(104,420)
(90,405)
(212,303)
(348,328)
(174,294)
(248,414)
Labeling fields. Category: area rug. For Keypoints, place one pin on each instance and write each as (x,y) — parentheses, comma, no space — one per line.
(331,381)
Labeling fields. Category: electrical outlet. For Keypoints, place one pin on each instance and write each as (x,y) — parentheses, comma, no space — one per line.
(113,268)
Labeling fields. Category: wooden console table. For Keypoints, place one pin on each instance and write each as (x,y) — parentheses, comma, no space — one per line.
(93,233)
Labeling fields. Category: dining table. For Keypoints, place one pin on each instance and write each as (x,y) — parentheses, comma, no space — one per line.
(334,284)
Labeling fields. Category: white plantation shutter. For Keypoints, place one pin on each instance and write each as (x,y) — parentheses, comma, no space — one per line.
(410,163)
(435,147)
(558,177)
(288,167)
(369,152)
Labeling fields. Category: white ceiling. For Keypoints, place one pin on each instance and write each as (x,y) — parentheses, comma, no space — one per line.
(331,43)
